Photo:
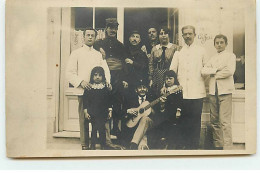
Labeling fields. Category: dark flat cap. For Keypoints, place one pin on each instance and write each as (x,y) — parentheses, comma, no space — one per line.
(111,21)
(134,32)
(141,82)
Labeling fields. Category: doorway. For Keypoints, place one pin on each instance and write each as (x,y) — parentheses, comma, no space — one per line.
(142,19)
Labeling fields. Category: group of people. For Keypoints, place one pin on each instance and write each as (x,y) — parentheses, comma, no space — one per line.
(161,84)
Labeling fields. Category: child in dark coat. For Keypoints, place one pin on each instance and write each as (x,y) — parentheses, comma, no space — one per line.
(170,108)
(97,107)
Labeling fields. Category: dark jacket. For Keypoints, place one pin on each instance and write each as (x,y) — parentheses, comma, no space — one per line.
(97,102)
(139,69)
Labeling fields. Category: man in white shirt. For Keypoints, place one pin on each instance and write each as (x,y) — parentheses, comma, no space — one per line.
(221,68)
(78,71)
(187,63)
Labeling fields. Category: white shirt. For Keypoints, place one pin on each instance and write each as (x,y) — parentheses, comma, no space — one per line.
(187,63)
(80,65)
(223,65)
(140,99)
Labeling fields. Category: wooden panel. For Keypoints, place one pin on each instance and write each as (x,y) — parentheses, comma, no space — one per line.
(65,53)
(73,111)
(53,62)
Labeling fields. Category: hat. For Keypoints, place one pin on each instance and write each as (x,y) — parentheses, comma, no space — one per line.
(134,32)
(111,21)
(141,82)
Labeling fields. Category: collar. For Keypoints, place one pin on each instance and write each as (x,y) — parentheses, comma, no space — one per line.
(98,86)
(224,51)
(88,48)
(159,46)
(140,98)
(187,46)
(172,87)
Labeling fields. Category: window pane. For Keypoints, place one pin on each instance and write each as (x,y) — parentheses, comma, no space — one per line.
(142,19)
(239,48)
(83,17)
(101,14)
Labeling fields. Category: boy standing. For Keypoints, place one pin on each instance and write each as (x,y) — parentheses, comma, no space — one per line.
(221,68)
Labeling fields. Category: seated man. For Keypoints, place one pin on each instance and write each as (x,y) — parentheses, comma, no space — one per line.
(167,112)
(129,108)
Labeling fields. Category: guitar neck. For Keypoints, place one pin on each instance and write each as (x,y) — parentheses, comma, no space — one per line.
(155,101)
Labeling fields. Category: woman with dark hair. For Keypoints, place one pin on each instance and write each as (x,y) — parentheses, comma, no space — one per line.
(97,107)
(160,60)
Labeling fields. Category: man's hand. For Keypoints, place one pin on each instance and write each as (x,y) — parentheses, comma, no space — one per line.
(125,84)
(143,48)
(85,85)
(163,99)
(151,83)
(178,114)
(109,86)
(109,115)
(101,50)
(132,112)
(129,61)
(87,116)
(163,90)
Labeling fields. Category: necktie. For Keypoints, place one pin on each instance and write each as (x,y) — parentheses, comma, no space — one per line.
(163,57)
(163,53)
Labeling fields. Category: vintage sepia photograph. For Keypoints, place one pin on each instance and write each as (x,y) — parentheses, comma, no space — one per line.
(171,79)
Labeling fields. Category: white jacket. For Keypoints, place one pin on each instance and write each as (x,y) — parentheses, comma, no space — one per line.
(221,68)
(187,63)
(80,65)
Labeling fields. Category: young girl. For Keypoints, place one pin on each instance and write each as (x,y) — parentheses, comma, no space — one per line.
(97,107)
(171,109)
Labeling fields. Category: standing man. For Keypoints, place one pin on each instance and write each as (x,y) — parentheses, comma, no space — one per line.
(153,41)
(115,53)
(221,68)
(137,64)
(187,63)
(78,71)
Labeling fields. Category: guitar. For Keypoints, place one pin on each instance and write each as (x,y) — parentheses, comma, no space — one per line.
(145,108)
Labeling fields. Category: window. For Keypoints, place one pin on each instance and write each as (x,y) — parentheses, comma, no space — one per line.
(239,49)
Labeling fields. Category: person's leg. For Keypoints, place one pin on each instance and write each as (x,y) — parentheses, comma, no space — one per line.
(145,124)
(116,99)
(107,129)
(93,136)
(185,125)
(84,125)
(225,114)
(196,122)
(214,120)
(143,144)
(102,135)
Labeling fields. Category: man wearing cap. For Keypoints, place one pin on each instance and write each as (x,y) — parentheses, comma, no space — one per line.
(115,53)
(137,63)
(136,135)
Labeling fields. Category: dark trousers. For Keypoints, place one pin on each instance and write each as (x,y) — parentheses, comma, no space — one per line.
(100,127)
(117,96)
(190,123)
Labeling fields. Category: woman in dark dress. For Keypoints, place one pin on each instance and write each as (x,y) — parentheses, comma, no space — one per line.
(97,107)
